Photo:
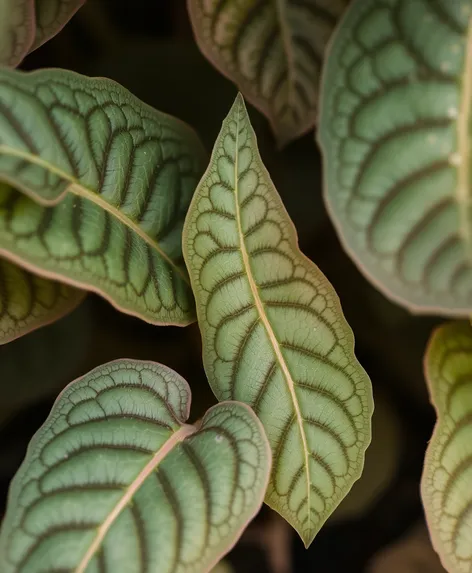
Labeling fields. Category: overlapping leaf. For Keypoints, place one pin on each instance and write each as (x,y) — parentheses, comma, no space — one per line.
(28,301)
(26,24)
(273,332)
(394,129)
(116,481)
(121,176)
(273,50)
(447,476)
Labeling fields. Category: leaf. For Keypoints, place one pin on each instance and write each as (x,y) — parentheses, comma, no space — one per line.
(121,175)
(26,24)
(28,302)
(115,480)
(51,17)
(273,50)
(273,331)
(447,474)
(395,111)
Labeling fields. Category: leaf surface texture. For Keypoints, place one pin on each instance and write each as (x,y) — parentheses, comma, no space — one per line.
(447,476)
(116,481)
(120,176)
(274,335)
(394,130)
(273,50)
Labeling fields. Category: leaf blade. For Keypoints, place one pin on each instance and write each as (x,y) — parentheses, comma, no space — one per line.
(396,150)
(251,285)
(446,497)
(150,403)
(28,302)
(51,17)
(91,148)
(272,50)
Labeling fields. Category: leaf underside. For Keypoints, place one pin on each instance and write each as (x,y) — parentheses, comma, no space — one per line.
(28,301)
(115,178)
(273,50)
(446,482)
(116,481)
(26,24)
(273,332)
(394,130)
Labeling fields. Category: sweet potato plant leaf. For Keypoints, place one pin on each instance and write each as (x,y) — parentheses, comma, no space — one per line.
(395,114)
(447,476)
(117,481)
(28,301)
(273,50)
(51,17)
(121,175)
(17,30)
(274,335)
(26,24)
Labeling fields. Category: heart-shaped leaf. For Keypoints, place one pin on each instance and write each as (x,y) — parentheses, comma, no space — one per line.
(273,50)
(394,129)
(26,24)
(446,483)
(28,301)
(274,335)
(115,480)
(121,174)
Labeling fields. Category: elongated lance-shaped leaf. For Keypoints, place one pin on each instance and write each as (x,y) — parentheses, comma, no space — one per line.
(26,24)
(447,476)
(117,481)
(273,332)
(273,50)
(121,174)
(51,17)
(395,113)
(28,301)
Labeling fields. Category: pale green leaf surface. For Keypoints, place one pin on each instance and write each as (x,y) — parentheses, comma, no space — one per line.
(273,50)
(121,176)
(28,301)
(51,17)
(26,24)
(116,481)
(274,335)
(447,476)
(394,131)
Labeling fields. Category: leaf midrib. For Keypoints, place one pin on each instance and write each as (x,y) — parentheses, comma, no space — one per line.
(76,188)
(265,321)
(280,9)
(179,436)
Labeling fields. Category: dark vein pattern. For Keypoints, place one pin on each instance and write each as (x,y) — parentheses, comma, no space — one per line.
(446,483)
(28,301)
(122,176)
(17,29)
(115,481)
(51,17)
(273,50)
(394,129)
(273,331)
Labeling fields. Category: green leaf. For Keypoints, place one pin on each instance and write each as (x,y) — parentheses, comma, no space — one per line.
(28,301)
(121,176)
(115,480)
(51,17)
(447,474)
(273,50)
(394,130)
(274,335)
(26,24)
